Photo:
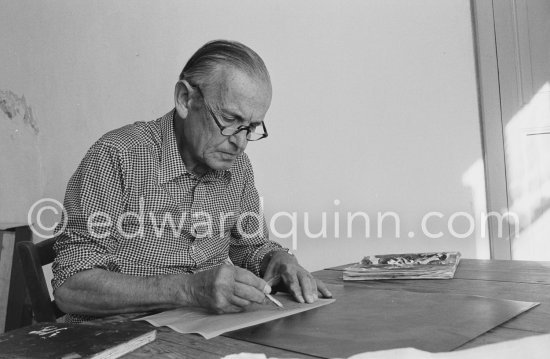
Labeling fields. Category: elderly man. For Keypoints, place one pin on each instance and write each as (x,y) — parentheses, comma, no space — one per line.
(165,213)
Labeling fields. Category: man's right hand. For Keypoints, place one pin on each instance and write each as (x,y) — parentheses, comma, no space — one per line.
(226,289)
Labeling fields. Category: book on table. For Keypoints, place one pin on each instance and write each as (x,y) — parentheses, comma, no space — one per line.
(72,341)
(431,265)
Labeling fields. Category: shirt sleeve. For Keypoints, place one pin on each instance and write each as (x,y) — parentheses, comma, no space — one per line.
(250,235)
(94,196)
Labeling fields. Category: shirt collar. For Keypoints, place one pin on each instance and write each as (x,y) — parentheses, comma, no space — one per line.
(171,165)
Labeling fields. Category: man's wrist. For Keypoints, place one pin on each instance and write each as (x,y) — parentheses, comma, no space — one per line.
(180,290)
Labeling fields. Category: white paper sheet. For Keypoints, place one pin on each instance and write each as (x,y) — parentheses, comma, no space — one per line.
(535,347)
(209,325)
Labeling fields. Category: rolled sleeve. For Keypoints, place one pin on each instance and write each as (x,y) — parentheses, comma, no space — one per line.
(96,188)
(74,253)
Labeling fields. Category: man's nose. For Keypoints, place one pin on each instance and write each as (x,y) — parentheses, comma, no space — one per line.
(239,139)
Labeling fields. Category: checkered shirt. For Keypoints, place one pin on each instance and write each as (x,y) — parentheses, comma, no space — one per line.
(163,218)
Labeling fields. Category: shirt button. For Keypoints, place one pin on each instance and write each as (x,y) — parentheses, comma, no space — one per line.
(193,249)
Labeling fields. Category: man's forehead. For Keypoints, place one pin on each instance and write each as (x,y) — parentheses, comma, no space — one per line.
(234,91)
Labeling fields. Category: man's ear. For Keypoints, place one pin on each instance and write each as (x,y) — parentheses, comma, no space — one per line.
(182,95)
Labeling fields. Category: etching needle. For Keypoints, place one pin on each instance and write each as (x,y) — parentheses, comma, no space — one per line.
(275,301)
(269,296)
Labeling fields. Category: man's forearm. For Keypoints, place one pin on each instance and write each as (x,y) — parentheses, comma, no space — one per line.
(98,292)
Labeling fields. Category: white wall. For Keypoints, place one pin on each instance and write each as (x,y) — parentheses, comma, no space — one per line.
(374,101)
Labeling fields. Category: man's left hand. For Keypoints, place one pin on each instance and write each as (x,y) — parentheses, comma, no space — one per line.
(283,270)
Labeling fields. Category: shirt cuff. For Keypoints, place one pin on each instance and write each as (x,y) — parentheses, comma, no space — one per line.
(63,272)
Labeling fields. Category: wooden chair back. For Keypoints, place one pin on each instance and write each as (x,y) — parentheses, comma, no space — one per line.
(33,257)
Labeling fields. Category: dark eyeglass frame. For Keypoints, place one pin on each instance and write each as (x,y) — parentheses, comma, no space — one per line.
(248,129)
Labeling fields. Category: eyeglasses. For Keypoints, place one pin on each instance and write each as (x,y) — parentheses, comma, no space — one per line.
(254,132)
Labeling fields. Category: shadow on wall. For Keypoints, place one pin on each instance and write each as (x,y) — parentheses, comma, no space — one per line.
(20,162)
(527,147)
(527,151)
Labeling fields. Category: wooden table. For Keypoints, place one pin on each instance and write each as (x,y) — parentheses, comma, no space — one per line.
(514,280)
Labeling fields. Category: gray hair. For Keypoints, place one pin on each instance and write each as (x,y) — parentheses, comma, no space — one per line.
(202,66)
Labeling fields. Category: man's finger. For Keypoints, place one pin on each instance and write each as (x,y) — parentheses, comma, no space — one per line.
(246,277)
(231,309)
(306,285)
(239,302)
(248,293)
(322,288)
(315,290)
(294,287)
(227,305)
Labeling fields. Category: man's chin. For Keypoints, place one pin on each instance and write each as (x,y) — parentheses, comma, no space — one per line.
(221,165)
